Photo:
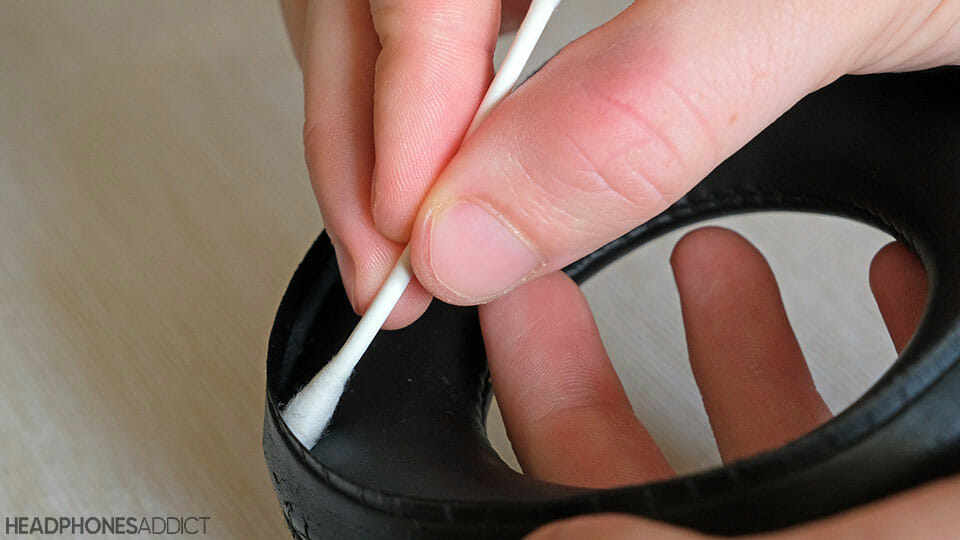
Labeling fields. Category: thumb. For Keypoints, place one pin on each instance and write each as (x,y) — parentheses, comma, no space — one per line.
(630,117)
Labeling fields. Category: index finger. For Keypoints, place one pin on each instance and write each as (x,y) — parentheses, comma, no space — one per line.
(339,52)
(566,413)
(435,64)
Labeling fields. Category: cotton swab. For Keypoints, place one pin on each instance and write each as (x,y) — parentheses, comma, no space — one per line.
(309,412)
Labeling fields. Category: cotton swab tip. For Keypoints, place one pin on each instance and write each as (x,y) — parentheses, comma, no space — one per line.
(309,412)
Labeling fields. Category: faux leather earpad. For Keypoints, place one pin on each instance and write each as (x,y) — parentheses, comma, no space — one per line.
(407,454)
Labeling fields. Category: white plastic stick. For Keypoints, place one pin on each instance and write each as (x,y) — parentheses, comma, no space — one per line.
(516,58)
(309,412)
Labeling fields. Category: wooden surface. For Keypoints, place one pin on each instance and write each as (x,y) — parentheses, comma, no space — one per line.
(153,205)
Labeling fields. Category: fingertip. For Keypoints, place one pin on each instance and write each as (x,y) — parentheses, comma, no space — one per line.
(414,302)
(900,287)
(703,258)
(880,264)
(560,530)
(892,260)
(375,269)
(706,243)
(365,260)
(610,527)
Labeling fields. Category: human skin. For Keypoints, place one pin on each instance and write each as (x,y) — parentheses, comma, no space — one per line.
(620,124)
(570,421)
(615,128)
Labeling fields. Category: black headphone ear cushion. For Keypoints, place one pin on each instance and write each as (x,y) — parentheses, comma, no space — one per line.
(407,455)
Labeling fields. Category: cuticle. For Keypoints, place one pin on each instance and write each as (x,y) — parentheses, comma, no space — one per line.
(490,209)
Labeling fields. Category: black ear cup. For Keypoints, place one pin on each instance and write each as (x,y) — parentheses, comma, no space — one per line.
(407,454)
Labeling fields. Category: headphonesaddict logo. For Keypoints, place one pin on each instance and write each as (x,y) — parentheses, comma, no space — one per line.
(100,525)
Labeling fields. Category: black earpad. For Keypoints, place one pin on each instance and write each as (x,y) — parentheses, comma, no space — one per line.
(407,454)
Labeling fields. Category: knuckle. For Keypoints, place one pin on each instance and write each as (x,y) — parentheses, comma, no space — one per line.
(581,185)
(628,173)
(315,141)
(662,139)
(575,403)
(389,17)
(548,203)
(631,176)
(438,23)
(576,383)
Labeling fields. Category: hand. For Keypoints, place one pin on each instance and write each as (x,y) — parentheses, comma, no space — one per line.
(404,77)
(569,419)
(615,128)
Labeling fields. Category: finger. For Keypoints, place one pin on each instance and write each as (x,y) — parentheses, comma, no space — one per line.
(294,18)
(436,61)
(624,121)
(611,527)
(756,387)
(339,52)
(928,512)
(564,408)
(899,285)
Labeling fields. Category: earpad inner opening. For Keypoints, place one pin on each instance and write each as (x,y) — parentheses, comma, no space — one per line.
(821,264)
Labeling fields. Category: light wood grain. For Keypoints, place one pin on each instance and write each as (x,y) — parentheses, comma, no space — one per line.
(153,204)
